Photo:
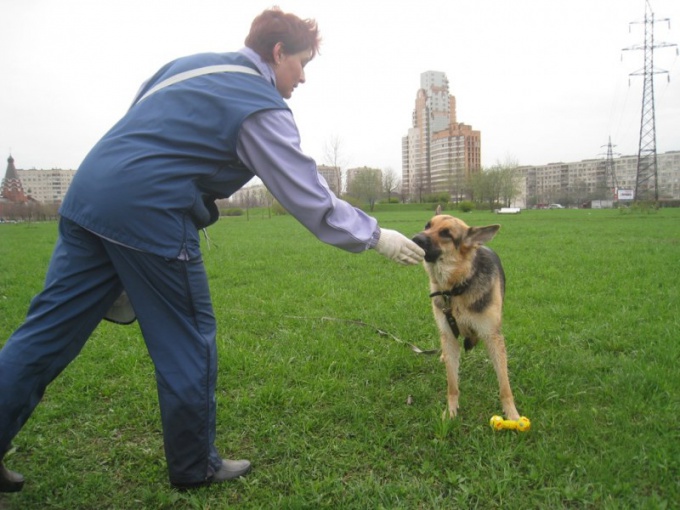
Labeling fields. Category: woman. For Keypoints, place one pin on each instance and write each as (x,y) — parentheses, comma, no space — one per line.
(198,130)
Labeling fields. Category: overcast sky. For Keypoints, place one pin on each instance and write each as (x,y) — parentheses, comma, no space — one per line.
(543,80)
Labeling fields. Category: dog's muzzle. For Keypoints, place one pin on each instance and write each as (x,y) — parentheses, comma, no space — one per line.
(432,252)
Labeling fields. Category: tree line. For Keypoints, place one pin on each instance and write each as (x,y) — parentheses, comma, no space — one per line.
(497,186)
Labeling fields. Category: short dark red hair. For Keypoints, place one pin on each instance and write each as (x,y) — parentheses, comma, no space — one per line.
(274,26)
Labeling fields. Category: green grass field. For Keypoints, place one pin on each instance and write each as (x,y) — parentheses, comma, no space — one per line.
(318,403)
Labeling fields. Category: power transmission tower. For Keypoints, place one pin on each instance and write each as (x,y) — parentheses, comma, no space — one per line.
(646,182)
(609,174)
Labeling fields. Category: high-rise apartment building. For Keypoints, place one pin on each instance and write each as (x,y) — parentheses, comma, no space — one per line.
(438,153)
(46,186)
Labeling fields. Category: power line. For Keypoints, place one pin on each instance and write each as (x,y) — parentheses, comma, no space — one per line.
(646,182)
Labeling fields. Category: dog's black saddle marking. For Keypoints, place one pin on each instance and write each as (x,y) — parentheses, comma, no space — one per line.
(457,290)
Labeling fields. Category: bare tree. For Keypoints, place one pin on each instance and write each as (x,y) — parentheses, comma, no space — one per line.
(366,184)
(390,181)
(510,184)
(249,198)
(335,157)
(498,185)
(266,199)
(509,180)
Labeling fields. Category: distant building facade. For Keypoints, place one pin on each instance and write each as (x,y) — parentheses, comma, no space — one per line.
(43,186)
(438,153)
(576,183)
(333,176)
(46,186)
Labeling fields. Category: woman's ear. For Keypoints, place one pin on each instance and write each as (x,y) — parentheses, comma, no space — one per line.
(277,53)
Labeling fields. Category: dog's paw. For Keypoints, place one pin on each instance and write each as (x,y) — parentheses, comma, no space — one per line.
(450,412)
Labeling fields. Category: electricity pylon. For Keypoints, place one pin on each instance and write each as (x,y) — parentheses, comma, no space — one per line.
(646,182)
(609,174)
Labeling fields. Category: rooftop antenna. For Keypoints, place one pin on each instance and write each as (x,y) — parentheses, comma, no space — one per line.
(646,182)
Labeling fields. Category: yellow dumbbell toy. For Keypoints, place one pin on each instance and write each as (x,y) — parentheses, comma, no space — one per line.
(498,423)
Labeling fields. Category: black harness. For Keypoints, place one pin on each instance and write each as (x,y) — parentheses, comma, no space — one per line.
(447,295)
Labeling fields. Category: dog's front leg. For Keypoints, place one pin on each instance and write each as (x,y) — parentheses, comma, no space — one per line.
(451,359)
(495,346)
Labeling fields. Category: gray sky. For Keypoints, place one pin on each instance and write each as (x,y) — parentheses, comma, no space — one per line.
(543,80)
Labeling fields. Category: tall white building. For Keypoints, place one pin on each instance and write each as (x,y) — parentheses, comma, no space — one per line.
(438,153)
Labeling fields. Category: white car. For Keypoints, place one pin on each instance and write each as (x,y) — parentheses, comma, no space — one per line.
(555,206)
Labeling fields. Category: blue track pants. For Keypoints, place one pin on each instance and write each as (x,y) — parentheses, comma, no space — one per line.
(172,301)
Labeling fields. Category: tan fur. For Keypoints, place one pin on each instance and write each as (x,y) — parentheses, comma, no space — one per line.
(453,267)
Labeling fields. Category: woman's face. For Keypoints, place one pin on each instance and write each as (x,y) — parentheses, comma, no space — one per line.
(290,70)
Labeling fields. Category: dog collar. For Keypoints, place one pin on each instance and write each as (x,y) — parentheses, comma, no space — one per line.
(456,290)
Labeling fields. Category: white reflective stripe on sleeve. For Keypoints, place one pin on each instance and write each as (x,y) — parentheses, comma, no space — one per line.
(197,72)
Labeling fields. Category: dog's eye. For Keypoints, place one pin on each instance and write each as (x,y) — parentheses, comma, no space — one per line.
(428,225)
(445,232)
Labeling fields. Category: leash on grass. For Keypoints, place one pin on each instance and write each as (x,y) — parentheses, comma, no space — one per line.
(381,332)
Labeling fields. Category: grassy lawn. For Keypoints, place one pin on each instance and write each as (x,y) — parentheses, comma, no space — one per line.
(318,403)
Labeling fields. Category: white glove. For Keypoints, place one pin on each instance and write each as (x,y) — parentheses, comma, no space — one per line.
(398,247)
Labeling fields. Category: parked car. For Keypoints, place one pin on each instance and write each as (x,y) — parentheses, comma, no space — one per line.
(555,206)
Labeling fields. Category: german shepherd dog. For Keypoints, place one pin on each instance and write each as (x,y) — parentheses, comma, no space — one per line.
(467,286)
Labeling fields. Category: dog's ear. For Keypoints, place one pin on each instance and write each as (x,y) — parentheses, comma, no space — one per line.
(481,235)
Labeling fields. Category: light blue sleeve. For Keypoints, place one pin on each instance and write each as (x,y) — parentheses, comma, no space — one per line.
(269,145)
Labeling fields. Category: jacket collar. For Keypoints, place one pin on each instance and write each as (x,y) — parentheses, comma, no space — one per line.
(263,67)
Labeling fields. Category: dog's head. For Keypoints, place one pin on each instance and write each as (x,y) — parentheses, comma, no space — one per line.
(448,236)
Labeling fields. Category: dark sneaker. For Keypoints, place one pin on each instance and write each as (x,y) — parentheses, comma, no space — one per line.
(10,481)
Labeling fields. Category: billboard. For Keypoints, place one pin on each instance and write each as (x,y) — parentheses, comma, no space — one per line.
(625,194)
